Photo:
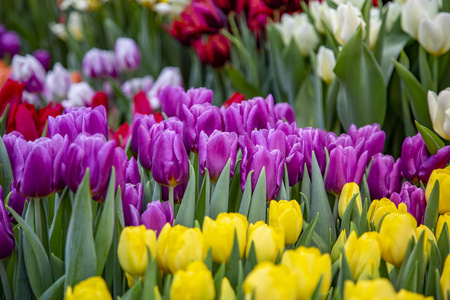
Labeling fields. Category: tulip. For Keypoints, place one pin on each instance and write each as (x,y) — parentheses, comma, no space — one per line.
(28,69)
(16,202)
(368,138)
(236,97)
(435,161)
(439,112)
(319,11)
(414,153)
(268,241)
(141,105)
(89,151)
(147,122)
(380,288)
(285,112)
(170,164)
(375,25)
(134,85)
(9,43)
(6,232)
(413,12)
(443,219)
(169,76)
(395,233)
(10,93)
(445,278)
(295,161)
(196,282)
(178,192)
(314,140)
(44,57)
(215,151)
(178,246)
(258,113)
(91,288)
(215,50)
(407,295)
(132,204)
(99,64)
(287,215)
(127,53)
(309,266)
(79,94)
(269,281)
(325,64)
(219,235)
(379,208)
(348,192)
(340,242)
(157,215)
(226,291)
(414,198)
(24,119)
(393,13)
(233,120)
(363,255)
(384,176)
(132,172)
(258,15)
(344,166)
(349,19)
(428,239)
(432,34)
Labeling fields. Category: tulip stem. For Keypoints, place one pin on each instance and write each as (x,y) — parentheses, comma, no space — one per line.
(171,197)
(5,282)
(435,70)
(37,215)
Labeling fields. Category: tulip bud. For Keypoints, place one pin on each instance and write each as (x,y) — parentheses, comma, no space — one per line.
(319,11)
(284,112)
(438,107)
(384,176)
(215,50)
(269,281)
(413,12)
(379,208)
(287,215)
(349,18)
(6,233)
(325,64)
(178,246)
(29,70)
(9,44)
(268,241)
(91,288)
(432,34)
(375,25)
(57,83)
(127,53)
(226,291)
(79,94)
(196,282)
(132,204)
(380,288)
(445,278)
(414,199)
(157,215)
(407,295)
(443,176)
(443,219)
(414,154)
(132,249)
(169,76)
(309,266)
(363,255)
(395,232)
(348,192)
(99,64)
(428,239)
(340,242)
(134,85)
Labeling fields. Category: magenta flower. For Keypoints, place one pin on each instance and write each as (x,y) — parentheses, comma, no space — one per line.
(6,233)
(384,176)
(157,215)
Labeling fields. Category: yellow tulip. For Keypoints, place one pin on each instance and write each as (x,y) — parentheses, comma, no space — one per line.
(348,191)
(288,215)
(443,176)
(340,242)
(445,277)
(132,249)
(219,235)
(380,288)
(407,295)
(363,255)
(269,281)
(268,241)
(427,239)
(90,289)
(309,265)
(443,219)
(194,283)
(226,291)
(378,208)
(395,232)
(178,246)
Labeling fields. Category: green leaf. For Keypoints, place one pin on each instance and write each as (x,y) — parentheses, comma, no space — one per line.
(433,142)
(202,207)
(443,242)
(241,84)
(81,261)
(21,284)
(56,229)
(351,209)
(393,44)
(435,262)
(257,210)
(345,272)
(363,221)
(6,170)
(410,265)
(432,208)
(362,99)
(251,260)
(218,278)
(233,262)
(307,234)
(186,212)
(219,199)
(104,232)
(56,291)
(57,265)
(150,282)
(134,293)
(247,197)
(156,191)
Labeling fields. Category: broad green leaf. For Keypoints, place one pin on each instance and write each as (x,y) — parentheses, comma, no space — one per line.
(247,197)
(411,265)
(21,285)
(432,208)
(6,170)
(257,210)
(443,242)
(233,262)
(220,273)
(186,212)
(56,291)
(393,44)
(241,84)
(433,142)
(220,196)
(202,206)
(134,293)
(425,72)
(345,272)
(308,231)
(150,281)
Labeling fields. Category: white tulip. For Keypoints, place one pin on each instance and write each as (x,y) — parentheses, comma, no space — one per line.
(375,25)
(80,94)
(433,34)
(439,107)
(325,64)
(286,28)
(412,13)
(349,18)
(393,13)
(319,11)
(57,83)
(357,3)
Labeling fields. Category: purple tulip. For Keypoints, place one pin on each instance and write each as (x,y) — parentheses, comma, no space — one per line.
(198,96)
(169,76)
(258,113)
(120,166)
(414,154)
(178,192)
(3,30)
(271,139)
(132,204)
(157,215)
(9,44)
(436,161)
(132,172)
(371,136)
(313,140)
(16,202)
(174,97)
(288,129)
(200,117)
(215,151)
(384,176)
(57,83)
(99,64)
(78,120)
(147,121)
(6,233)
(414,198)
(295,161)
(170,163)
(128,55)
(146,144)
(233,120)
(44,57)
(43,156)
(285,112)
(29,70)
(344,166)
(10,139)
(89,151)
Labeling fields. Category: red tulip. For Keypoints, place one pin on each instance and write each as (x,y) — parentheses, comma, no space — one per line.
(10,93)
(214,51)
(51,110)
(122,135)
(24,119)
(235,98)
(100,98)
(141,104)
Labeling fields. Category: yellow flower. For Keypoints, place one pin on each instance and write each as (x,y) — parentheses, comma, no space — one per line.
(194,283)
(132,249)
(379,288)
(445,218)
(427,239)
(443,176)
(268,241)
(336,251)
(363,255)
(445,277)
(407,295)
(226,291)
(348,191)
(288,215)
(395,232)
(219,235)
(89,289)
(309,265)
(269,281)
(378,208)
(178,246)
